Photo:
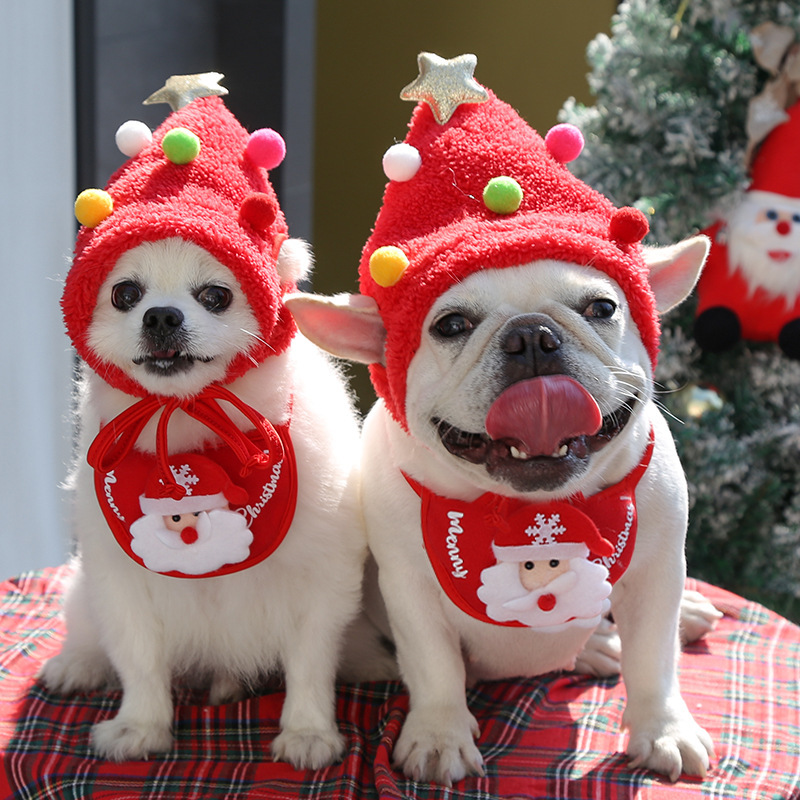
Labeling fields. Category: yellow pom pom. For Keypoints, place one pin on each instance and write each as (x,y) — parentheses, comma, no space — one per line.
(387,265)
(93,206)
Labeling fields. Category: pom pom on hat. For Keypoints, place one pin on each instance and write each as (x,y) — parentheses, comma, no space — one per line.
(502,195)
(387,265)
(181,146)
(266,148)
(401,162)
(132,137)
(92,206)
(258,210)
(565,142)
(628,226)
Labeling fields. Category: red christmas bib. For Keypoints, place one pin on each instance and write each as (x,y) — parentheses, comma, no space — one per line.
(538,565)
(201,514)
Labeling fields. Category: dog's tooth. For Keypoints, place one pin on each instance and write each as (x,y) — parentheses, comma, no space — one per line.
(514,452)
(563,450)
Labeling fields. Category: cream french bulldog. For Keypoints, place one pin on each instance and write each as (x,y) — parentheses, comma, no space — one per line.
(216,513)
(518,480)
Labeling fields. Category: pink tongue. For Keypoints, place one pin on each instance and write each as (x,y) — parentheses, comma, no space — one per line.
(540,413)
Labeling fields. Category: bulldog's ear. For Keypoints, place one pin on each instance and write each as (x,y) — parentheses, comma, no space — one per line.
(674,270)
(346,325)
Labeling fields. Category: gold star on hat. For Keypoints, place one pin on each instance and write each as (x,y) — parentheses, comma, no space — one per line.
(180,90)
(444,84)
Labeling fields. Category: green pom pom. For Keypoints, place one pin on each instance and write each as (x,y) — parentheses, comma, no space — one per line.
(502,195)
(181,146)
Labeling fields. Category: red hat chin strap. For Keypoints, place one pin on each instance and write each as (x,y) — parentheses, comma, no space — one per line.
(115,439)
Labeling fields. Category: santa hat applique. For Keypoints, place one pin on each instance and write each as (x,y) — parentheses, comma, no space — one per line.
(207,487)
(559,531)
(776,167)
(200,177)
(474,187)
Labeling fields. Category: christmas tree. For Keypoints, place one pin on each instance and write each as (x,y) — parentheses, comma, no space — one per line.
(685,93)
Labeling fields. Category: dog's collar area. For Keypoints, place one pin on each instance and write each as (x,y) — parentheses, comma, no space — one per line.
(480,550)
(507,460)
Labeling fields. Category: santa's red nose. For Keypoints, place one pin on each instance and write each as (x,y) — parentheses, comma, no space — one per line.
(189,535)
(783,227)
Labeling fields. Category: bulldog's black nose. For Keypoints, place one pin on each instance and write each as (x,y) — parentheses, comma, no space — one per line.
(162,320)
(532,345)
(528,340)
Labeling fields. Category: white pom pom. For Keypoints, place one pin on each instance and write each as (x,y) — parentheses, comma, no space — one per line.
(132,137)
(401,162)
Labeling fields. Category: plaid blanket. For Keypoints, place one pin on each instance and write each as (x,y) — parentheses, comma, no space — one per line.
(557,736)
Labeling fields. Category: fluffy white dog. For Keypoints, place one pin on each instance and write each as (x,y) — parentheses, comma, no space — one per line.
(510,318)
(192,365)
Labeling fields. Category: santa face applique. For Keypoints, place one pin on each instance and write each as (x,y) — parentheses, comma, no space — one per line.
(548,581)
(199,533)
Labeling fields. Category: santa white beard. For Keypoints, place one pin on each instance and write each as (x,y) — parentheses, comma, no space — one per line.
(766,258)
(581,596)
(222,538)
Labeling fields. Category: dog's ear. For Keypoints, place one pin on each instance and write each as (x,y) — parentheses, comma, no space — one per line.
(346,325)
(674,270)
(294,261)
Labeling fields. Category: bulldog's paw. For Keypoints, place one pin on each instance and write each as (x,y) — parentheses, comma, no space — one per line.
(308,749)
(437,745)
(698,616)
(669,741)
(119,739)
(78,671)
(602,654)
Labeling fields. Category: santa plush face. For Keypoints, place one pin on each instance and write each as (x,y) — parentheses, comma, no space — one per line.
(764,242)
(218,537)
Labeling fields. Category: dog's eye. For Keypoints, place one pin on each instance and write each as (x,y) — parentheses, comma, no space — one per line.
(600,309)
(452,325)
(126,295)
(214,298)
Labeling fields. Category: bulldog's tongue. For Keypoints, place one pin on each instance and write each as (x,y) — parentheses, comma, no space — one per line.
(540,413)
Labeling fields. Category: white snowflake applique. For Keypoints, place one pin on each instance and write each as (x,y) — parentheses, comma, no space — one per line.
(185,477)
(546,529)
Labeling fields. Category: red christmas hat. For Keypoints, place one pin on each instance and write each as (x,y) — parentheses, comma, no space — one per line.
(200,177)
(206,484)
(474,187)
(776,167)
(559,531)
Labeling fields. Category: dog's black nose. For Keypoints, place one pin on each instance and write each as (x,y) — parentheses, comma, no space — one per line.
(530,339)
(162,320)
(532,344)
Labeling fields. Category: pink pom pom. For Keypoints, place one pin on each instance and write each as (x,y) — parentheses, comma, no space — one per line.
(266,148)
(564,142)
(628,226)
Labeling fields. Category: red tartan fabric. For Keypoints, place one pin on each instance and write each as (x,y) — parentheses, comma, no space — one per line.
(553,737)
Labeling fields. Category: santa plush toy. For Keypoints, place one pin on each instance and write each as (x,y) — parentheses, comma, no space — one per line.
(750,287)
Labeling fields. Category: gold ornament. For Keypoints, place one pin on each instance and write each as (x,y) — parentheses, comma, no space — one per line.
(180,90)
(444,84)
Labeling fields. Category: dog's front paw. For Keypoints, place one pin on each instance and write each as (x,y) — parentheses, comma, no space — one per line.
(121,740)
(308,749)
(438,745)
(669,742)
(602,654)
(67,673)
(698,616)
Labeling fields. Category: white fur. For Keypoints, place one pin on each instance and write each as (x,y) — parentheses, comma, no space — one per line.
(440,648)
(290,611)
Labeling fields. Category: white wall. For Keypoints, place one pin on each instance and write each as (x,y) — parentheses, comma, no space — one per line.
(37,232)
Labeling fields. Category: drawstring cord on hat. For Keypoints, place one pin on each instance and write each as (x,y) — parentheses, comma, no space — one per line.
(116,438)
